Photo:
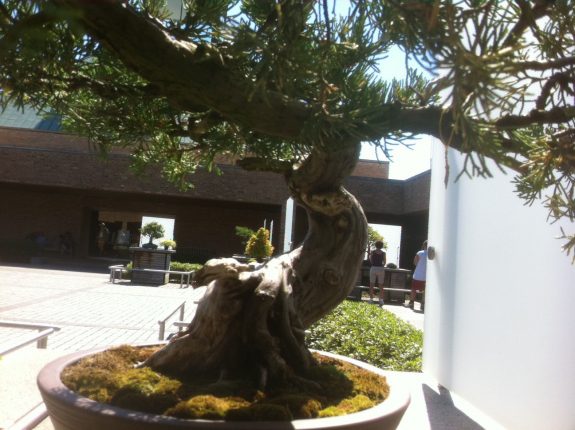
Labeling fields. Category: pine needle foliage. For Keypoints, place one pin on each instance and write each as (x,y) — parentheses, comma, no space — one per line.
(266,82)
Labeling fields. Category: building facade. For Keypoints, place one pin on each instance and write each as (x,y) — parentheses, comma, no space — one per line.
(55,188)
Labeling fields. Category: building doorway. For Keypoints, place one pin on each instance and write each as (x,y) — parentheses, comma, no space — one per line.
(113,233)
(167,223)
(392,237)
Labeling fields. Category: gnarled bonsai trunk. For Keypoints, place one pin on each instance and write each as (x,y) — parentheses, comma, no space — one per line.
(251,320)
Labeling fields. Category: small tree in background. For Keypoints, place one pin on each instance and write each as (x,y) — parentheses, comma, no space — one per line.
(259,245)
(168,243)
(153,230)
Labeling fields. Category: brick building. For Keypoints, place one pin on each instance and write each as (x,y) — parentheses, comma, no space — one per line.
(53,183)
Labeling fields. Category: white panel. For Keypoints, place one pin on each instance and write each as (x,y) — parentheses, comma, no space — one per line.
(500,319)
(290,208)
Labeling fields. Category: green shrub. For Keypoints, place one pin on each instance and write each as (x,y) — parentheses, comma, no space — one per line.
(259,245)
(168,243)
(128,274)
(370,334)
(182,267)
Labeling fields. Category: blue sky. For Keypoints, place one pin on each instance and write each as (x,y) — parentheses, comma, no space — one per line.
(406,162)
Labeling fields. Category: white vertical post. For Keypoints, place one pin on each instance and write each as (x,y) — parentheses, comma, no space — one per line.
(176,9)
(288,225)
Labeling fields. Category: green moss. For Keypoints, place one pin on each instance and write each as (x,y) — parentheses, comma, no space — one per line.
(206,407)
(145,390)
(348,406)
(101,376)
(335,384)
(341,380)
(332,388)
(300,406)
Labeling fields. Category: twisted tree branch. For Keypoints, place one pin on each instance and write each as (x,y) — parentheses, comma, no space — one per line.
(556,115)
(189,74)
(528,17)
(545,65)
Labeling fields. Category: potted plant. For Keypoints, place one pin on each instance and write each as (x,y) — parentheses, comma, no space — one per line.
(168,244)
(71,411)
(153,230)
(291,91)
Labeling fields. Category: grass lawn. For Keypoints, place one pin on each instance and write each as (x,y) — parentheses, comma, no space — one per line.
(370,334)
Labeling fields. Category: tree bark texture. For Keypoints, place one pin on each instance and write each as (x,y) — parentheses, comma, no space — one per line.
(252,319)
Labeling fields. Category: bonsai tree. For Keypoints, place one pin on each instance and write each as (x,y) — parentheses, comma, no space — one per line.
(259,245)
(292,87)
(153,230)
(168,243)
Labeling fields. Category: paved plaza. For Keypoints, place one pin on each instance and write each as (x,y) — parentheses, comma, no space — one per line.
(91,312)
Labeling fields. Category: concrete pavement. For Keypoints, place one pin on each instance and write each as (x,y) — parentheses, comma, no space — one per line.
(92,312)
(414,317)
(89,311)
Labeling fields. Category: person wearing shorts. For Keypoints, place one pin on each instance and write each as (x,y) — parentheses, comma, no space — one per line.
(377,259)
(419,274)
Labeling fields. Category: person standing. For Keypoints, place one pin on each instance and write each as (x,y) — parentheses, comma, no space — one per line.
(103,236)
(419,274)
(377,258)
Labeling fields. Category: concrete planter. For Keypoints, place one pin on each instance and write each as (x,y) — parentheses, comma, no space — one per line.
(144,259)
(70,411)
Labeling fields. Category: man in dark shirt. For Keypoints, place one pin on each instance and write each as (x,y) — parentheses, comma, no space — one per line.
(377,258)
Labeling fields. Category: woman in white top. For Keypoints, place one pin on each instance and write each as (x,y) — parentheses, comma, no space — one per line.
(419,274)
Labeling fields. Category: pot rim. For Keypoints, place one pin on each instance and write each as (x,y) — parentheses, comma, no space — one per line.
(51,386)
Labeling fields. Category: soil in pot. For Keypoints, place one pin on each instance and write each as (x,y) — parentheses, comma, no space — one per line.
(331,388)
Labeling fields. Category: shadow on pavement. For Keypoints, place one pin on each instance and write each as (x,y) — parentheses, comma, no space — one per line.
(443,414)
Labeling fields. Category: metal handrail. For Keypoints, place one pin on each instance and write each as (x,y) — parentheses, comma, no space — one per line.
(32,419)
(162,322)
(39,413)
(41,338)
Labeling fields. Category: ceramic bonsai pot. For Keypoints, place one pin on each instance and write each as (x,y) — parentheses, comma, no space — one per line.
(70,411)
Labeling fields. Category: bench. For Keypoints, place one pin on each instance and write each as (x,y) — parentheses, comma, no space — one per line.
(181,273)
(116,272)
(359,289)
